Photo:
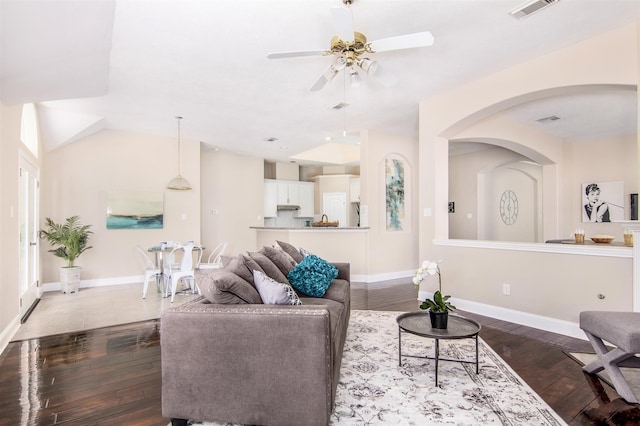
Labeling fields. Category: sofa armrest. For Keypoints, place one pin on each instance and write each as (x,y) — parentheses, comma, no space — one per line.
(344,270)
(248,364)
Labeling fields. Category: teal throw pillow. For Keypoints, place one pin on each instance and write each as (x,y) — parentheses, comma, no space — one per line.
(312,276)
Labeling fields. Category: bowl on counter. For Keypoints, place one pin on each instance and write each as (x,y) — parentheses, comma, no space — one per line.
(602,239)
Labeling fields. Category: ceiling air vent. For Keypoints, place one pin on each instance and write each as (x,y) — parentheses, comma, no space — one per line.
(548,119)
(531,7)
(339,105)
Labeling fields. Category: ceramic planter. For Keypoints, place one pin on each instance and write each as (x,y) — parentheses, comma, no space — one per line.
(70,279)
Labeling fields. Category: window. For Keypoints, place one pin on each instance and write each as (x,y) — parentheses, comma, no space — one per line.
(29,128)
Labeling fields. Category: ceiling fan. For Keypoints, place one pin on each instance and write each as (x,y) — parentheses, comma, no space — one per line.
(349,47)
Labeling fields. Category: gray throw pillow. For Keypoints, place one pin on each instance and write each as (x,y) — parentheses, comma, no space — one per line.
(269,268)
(273,292)
(291,250)
(238,266)
(283,261)
(223,287)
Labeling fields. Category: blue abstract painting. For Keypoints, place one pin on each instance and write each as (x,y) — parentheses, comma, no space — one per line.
(135,210)
(394,181)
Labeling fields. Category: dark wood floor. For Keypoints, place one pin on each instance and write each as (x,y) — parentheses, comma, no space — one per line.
(111,376)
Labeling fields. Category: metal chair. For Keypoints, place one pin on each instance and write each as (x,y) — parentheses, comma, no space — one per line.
(186,269)
(215,258)
(150,269)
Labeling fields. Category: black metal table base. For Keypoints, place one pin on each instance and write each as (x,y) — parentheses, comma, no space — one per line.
(437,357)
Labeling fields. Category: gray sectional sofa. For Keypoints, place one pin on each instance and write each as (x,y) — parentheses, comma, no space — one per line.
(228,357)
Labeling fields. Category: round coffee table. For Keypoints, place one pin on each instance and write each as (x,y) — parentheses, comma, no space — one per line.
(419,323)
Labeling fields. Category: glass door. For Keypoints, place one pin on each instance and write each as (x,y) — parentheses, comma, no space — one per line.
(28,217)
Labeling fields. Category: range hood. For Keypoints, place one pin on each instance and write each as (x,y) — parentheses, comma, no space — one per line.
(287,207)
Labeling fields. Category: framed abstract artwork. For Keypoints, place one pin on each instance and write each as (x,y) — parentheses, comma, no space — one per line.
(135,210)
(395,194)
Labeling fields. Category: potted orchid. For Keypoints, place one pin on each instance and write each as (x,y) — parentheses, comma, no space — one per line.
(439,306)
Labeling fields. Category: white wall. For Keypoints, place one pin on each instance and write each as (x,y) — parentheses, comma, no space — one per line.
(9,256)
(548,284)
(232,188)
(389,251)
(75,180)
(599,161)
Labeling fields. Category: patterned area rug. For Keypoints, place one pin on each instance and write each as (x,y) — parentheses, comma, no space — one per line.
(373,389)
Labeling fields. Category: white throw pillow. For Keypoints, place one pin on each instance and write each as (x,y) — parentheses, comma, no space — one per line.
(274,293)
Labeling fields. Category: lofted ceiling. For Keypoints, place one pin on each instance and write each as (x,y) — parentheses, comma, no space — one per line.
(134,65)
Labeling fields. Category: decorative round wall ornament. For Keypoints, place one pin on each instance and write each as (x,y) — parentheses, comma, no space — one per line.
(509,207)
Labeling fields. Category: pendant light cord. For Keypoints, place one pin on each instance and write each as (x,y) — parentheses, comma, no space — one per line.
(179,119)
(344,100)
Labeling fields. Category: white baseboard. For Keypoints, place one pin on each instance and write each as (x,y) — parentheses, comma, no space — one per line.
(540,322)
(9,331)
(101,282)
(377,278)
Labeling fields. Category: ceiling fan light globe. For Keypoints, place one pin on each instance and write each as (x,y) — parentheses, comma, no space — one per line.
(356,80)
(368,66)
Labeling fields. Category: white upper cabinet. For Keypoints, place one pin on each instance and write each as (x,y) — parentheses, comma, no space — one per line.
(270,198)
(306,197)
(354,190)
(288,193)
(283,192)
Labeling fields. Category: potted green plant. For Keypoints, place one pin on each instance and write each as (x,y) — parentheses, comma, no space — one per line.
(439,307)
(69,239)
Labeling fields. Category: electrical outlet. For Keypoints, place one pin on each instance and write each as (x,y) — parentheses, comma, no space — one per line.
(506,289)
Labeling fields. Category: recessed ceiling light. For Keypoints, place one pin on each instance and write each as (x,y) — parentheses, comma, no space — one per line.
(284,147)
(327,138)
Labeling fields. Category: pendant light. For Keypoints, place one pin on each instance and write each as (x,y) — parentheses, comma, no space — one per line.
(179,183)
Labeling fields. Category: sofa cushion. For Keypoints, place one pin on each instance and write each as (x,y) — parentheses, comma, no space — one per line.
(291,250)
(238,266)
(223,287)
(312,276)
(268,267)
(273,292)
(282,260)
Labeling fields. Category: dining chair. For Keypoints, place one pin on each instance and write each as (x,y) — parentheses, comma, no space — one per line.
(150,269)
(214,261)
(186,268)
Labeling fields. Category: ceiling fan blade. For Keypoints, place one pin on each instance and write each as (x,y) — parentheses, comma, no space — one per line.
(326,77)
(407,41)
(343,23)
(282,55)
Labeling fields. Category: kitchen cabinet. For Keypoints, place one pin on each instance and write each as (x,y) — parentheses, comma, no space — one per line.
(270,198)
(306,197)
(288,193)
(283,192)
(354,190)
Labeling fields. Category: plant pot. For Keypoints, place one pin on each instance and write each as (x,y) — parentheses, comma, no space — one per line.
(70,279)
(439,319)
